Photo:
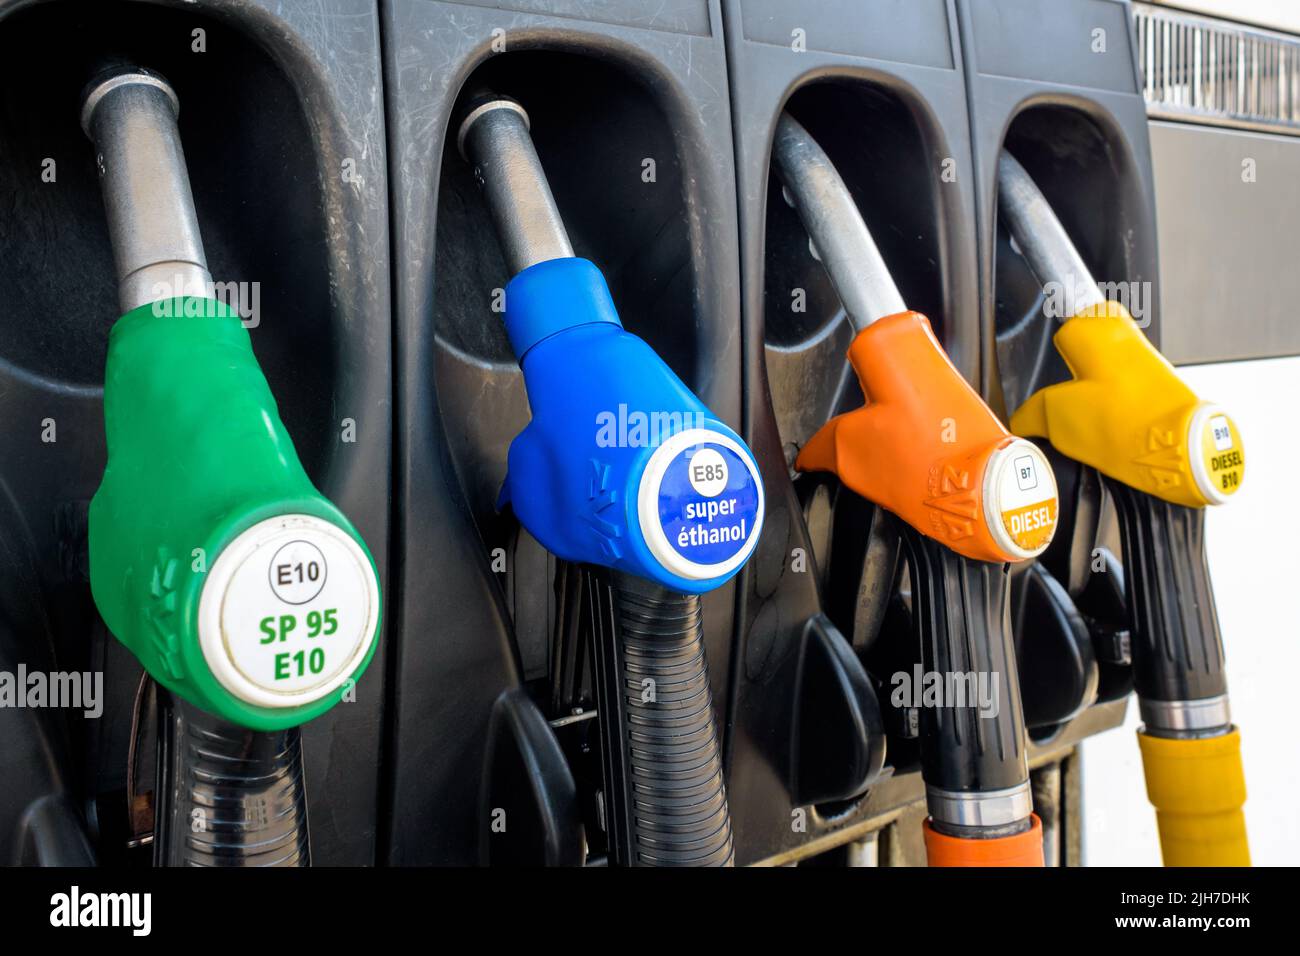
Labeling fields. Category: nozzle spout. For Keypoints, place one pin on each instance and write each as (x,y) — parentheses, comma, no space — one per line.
(494,137)
(1042,239)
(130,115)
(835,226)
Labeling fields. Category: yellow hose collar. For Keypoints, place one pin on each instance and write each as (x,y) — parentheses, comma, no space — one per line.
(1198,788)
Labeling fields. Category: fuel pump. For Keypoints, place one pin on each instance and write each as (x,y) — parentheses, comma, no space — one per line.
(669,514)
(971,497)
(1165,455)
(246,594)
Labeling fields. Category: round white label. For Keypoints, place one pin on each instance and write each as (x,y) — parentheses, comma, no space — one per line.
(1020,503)
(288,611)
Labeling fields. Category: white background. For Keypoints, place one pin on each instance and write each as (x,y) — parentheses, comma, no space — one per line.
(1252,545)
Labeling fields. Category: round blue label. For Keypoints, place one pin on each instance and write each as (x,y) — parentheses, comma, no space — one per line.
(708,501)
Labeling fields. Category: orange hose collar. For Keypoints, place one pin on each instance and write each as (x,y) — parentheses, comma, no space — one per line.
(1020,849)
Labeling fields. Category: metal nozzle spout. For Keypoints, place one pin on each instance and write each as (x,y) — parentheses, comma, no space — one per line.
(1042,239)
(494,137)
(130,116)
(835,226)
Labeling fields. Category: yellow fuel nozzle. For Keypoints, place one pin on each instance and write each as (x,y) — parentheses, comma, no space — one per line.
(1125,412)
(1128,414)
(1166,454)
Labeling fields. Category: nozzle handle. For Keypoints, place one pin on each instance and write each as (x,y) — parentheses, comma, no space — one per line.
(1178,657)
(973,755)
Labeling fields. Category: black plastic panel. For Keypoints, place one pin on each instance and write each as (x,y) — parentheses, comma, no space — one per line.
(1074,119)
(888,104)
(281,99)
(604,96)
(304,122)
(1070,46)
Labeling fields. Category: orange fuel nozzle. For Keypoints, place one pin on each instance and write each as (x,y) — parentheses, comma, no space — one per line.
(927,448)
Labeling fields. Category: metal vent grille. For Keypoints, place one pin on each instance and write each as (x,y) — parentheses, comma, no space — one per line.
(1199,69)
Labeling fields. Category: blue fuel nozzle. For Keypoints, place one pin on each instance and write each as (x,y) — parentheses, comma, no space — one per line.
(621,465)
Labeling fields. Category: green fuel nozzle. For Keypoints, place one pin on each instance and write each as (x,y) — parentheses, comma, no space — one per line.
(237,584)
